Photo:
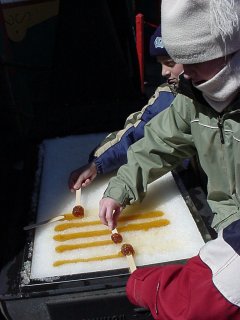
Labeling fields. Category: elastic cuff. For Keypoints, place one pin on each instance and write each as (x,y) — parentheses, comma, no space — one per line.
(98,165)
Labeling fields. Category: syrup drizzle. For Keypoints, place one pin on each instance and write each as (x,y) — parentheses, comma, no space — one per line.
(67,247)
(95,233)
(99,258)
(129,227)
(65,226)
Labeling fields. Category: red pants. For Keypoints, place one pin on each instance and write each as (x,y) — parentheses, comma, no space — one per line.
(180,292)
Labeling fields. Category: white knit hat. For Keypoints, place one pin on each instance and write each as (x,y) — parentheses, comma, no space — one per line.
(200,30)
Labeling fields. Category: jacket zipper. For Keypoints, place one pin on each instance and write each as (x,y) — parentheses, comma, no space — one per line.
(221,120)
(156,299)
(220,126)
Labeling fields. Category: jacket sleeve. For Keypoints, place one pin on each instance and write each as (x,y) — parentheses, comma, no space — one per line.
(206,287)
(167,141)
(112,153)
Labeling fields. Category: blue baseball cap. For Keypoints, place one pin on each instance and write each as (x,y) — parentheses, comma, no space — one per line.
(156,44)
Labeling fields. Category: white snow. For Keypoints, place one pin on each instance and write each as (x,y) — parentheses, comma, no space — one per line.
(180,239)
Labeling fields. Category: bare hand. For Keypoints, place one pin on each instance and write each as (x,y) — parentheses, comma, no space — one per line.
(109,210)
(82,176)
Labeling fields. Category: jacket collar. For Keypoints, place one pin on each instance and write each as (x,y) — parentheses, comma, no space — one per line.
(187,89)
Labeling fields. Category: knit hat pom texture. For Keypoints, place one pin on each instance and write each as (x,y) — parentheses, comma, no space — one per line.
(195,31)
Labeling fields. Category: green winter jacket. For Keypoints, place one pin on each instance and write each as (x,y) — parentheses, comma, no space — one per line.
(187,128)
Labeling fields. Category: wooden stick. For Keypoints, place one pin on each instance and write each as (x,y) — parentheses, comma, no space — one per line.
(78,197)
(130,259)
(38,224)
(131,263)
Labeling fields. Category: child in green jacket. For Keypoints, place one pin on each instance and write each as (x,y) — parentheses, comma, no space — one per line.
(207,43)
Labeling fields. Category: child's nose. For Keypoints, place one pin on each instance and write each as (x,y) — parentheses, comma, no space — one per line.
(165,72)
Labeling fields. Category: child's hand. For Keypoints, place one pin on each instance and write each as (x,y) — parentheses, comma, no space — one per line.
(109,211)
(82,176)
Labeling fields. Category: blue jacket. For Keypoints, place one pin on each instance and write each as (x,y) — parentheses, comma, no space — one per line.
(112,152)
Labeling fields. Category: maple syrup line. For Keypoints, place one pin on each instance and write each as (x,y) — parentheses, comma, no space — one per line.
(86,234)
(77,260)
(130,227)
(144,226)
(65,226)
(68,247)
